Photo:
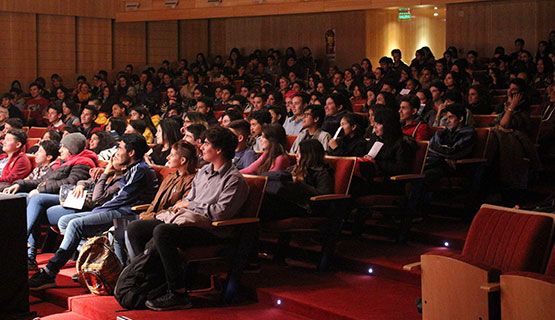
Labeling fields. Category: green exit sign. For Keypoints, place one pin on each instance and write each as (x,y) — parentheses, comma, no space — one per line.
(404,13)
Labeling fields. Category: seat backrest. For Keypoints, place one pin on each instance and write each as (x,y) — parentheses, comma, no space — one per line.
(257,186)
(344,168)
(482,137)
(290,140)
(483,120)
(162,172)
(31,142)
(550,270)
(433,130)
(420,157)
(36,132)
(32,159)
(509,239)
(535,123)
(499,99)
(219,113)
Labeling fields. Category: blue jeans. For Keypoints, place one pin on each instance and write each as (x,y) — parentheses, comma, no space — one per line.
(77,226)
(36,208)
(56,212)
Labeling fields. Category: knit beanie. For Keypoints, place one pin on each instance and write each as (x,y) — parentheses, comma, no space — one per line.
(74,142)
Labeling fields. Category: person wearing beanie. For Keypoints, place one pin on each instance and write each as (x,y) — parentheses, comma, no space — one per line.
(72,165)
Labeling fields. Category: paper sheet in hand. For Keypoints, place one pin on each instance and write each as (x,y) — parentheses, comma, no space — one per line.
(404,92)
(375,149)
(75,203)
(337,133)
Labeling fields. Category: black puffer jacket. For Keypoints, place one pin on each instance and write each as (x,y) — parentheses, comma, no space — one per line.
(75,168)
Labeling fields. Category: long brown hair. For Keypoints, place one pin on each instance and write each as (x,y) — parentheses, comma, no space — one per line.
(312,156)
(275,134)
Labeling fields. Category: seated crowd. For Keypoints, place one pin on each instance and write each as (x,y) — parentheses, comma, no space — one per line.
(212,123)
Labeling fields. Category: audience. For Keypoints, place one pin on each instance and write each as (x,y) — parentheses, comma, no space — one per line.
(217,193)
(138,185)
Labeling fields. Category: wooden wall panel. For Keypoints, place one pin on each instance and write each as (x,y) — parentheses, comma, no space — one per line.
(161,41)
(483,26)
(129,44)
(83,8)
(385,32)
(94,45)
(280,32)
(193,38)
(154,10)
(56,47)
(19,49)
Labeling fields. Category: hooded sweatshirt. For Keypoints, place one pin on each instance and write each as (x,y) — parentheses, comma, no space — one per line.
(18,167)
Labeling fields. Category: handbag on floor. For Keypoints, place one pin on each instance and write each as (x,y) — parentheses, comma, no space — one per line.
(98,267)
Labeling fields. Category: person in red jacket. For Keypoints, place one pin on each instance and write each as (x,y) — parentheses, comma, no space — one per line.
(14,163)
(37,105)
(413,126)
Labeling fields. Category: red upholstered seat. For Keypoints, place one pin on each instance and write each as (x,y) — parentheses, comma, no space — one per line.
(32,159)
(162,172)
(290,140)
(507,240)
(483,120)
(31,142)
(500,240)
(36,132)
(528,295)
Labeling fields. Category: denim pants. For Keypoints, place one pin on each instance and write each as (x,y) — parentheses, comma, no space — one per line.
(37,206)
(77,226)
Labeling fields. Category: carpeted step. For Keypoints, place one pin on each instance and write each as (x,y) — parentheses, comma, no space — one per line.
(337,295)
(65,286)
(384,257)
(42,308)
(65,316)
(104,307)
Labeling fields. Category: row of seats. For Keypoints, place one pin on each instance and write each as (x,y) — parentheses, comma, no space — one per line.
(500,273)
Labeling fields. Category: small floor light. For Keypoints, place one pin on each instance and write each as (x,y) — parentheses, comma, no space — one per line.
(370,271)
(446,244)
(278,302)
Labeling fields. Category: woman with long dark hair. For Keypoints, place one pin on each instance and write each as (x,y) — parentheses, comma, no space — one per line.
(352,143)
(167,133)
(273,144)
(103,144)
(141,113)
(70,113)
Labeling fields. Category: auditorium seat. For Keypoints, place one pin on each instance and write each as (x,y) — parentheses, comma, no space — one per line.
(290,140)
(235,251)
(535,123)
(464,188)
(330,212)
(499,99)
(465,285)
(218,114)
(31,142)
(358,107)
(406,203)
(36,132)
(527,295)
(483,120)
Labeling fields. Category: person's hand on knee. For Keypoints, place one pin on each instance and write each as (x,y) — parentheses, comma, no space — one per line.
(12,189)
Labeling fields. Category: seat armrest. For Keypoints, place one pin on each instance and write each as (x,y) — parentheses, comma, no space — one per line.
(333,196)
(405,177)
(233,222)
(471,161)
(141,207)
(491,287)
(412,266)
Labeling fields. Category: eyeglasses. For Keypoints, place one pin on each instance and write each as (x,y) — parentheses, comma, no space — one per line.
(307,114)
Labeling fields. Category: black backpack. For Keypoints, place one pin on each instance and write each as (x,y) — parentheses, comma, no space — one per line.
(141,280)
